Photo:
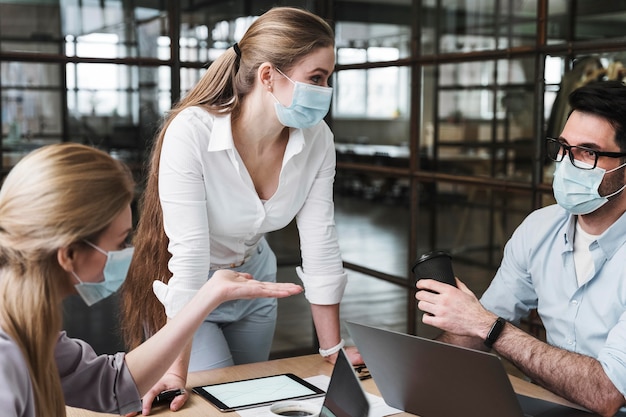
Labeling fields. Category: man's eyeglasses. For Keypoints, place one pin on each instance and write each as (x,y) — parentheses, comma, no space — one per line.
(581,157)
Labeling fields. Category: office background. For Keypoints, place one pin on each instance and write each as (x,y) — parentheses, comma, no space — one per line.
(440,110)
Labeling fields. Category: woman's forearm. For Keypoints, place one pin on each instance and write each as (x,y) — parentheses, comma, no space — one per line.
(149,361)
(162,352)
(327,325)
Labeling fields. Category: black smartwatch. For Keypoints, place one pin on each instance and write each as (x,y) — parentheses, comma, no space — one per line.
(494,332)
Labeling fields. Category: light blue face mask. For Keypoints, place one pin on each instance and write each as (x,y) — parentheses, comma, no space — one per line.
(309,105)
(115,270)
(576,190)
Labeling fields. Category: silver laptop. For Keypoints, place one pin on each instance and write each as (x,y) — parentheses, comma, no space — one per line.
(434,379)
(345,396)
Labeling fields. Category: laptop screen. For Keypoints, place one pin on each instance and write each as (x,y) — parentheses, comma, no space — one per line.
(345,396)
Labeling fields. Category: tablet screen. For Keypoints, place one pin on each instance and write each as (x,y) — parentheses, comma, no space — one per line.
(255,392)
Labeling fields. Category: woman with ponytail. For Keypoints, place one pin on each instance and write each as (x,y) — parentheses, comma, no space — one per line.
(242,154)
(65,218)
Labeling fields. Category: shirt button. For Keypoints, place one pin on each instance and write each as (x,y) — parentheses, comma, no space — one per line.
(574,302)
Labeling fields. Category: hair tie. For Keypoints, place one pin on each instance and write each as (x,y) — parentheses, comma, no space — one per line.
(237,50)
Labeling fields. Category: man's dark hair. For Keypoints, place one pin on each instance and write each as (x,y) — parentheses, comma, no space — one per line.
(606,99)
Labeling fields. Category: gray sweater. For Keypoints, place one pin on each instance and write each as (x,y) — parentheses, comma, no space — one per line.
(99,383)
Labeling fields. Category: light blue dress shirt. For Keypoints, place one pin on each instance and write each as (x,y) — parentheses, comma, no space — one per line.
(537,271)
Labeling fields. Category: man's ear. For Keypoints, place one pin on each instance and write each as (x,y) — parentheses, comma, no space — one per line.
(65,256)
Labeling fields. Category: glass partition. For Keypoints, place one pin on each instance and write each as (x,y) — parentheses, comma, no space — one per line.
(485,118)
(31,99)
(114,28)
(39,32)
(359,42)
(377,94)
(459,26)
(585,20)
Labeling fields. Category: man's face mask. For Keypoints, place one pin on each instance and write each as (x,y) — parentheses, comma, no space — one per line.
(309,105)
(576,190)
(115,270)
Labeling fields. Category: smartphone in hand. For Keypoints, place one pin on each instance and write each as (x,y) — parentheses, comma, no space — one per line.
(166,397)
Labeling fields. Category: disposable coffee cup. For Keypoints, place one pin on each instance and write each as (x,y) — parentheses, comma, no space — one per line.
(434,265)
(295,408)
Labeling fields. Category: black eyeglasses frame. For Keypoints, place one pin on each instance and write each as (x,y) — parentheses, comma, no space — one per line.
(568,148)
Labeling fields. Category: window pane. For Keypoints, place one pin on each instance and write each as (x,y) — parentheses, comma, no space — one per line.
(152,33)
(380,93)
(189,77)
(30,27)
(112,29)
(373,233)
(30,104)
(30,115)
(477,26)
(591,20)
(116,106)
(371,42)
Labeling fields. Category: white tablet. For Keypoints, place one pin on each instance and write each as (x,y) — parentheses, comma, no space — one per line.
(255,392)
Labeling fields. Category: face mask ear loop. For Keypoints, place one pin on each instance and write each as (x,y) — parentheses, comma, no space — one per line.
(76,276)
(616,168)
(272,94)
(283,74)
(614,193)
(102,251)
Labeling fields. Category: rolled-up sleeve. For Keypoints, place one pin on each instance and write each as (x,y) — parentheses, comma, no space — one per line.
(95,382)
(612,356)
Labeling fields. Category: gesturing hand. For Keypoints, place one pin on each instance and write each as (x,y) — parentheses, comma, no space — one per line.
(239,285)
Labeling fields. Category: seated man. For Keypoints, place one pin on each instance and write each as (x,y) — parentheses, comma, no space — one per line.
(568,261)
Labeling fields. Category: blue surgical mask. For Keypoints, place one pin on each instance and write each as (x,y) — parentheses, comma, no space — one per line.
(576,190)
(115,270)
(309,105)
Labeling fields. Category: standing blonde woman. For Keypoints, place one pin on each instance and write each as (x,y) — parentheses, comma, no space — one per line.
(244,153)
(64,221)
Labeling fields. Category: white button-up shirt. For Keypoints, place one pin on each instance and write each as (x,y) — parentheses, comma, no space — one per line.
(213,215)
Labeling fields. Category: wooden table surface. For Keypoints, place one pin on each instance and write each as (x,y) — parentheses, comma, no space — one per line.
(303,366)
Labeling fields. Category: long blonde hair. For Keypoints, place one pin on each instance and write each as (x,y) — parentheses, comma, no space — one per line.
(282,36)
(56,196)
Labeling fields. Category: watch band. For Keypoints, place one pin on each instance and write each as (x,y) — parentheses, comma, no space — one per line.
(494,332)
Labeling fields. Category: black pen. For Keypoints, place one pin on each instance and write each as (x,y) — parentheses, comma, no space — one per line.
(167,396)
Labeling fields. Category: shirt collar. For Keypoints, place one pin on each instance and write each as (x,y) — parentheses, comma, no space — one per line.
(222,138)
(221,135)
(295,144)
(609,241)
(614,237)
